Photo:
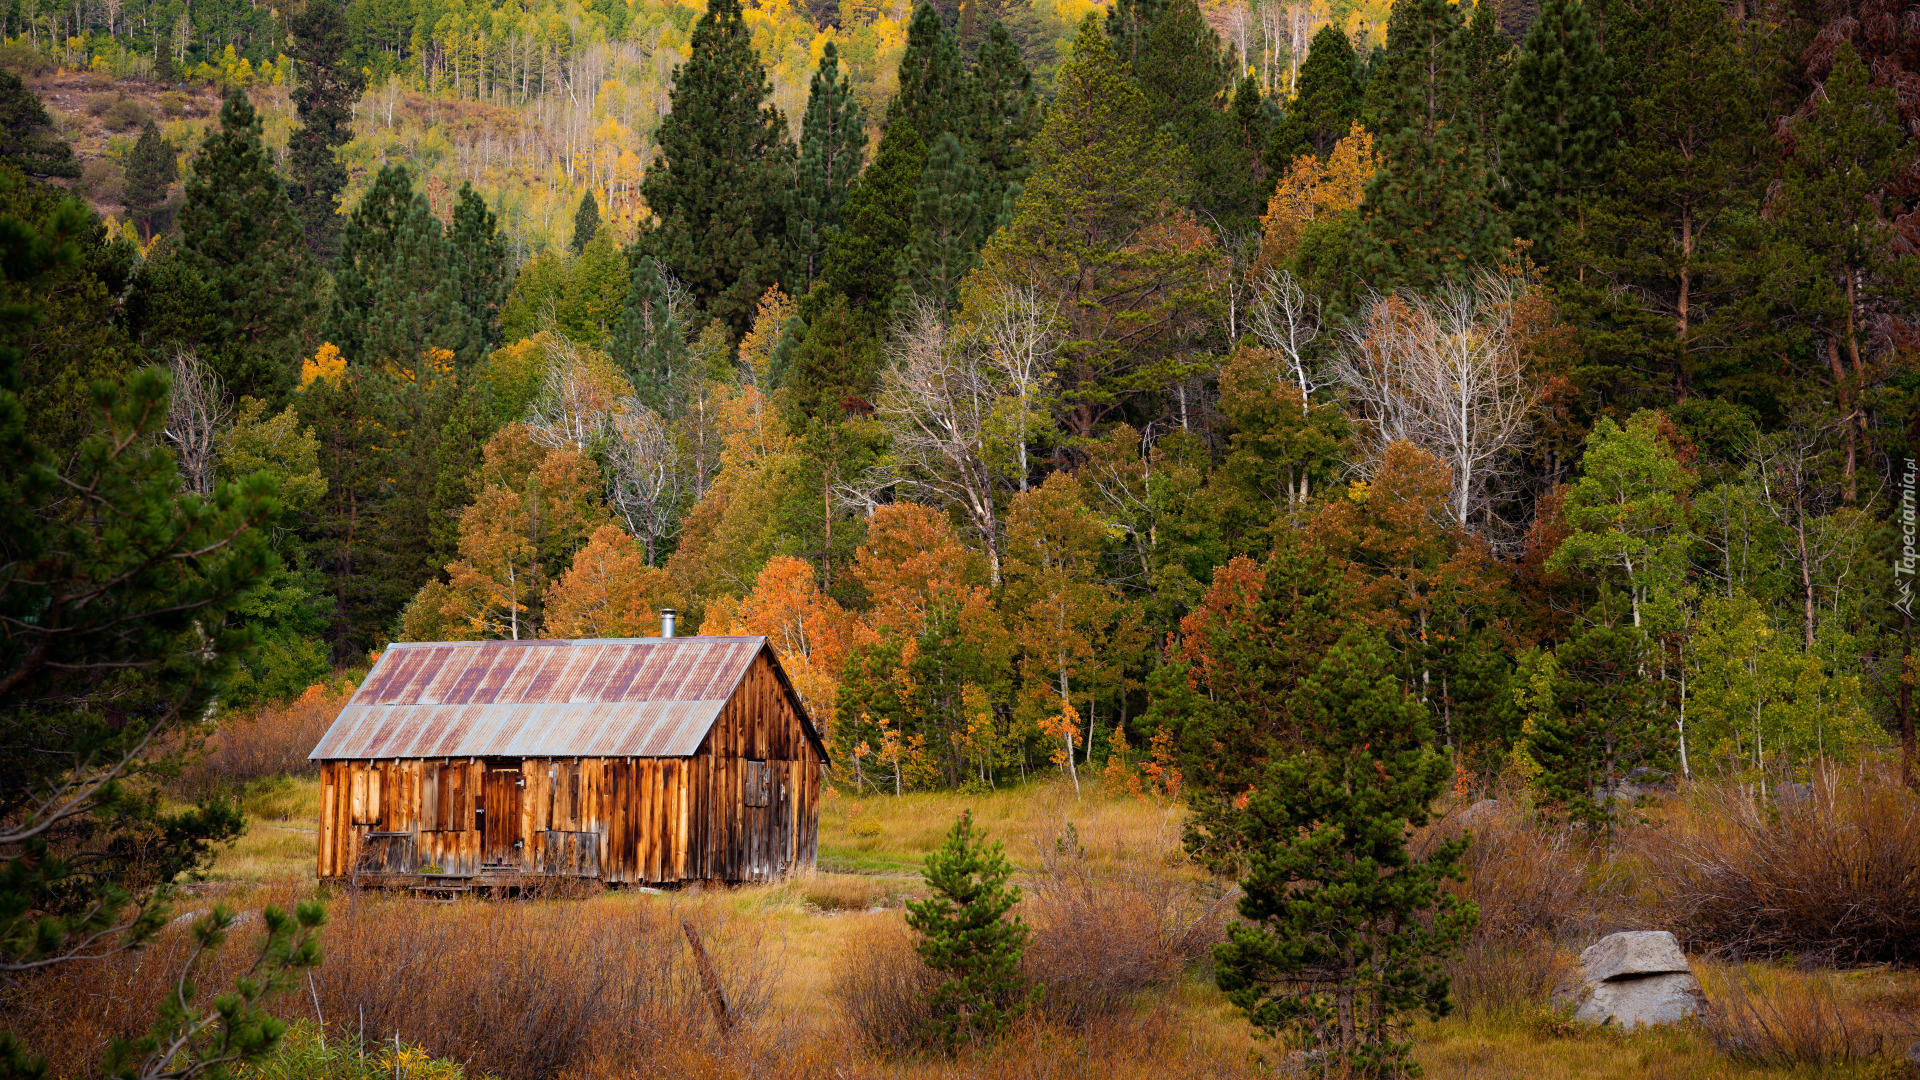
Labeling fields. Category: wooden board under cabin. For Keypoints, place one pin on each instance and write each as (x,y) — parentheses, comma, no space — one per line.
(743,808)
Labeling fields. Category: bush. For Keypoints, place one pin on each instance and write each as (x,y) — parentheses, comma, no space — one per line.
(1102,938)
(23,59)
(125,114)
(98,104)
(883,987)
(1829,875)
(272,740)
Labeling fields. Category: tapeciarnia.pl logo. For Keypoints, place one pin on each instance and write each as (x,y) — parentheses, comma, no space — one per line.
(1903,567)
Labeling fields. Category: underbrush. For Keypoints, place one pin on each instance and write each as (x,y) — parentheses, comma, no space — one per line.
(1832,875)
(267,744)
(1782,1017)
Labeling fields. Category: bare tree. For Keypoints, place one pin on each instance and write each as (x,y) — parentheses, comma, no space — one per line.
(575,403)
(1445,374)
(1286,319)
(197,412)
(644,477)
(937,400)
(1020,329)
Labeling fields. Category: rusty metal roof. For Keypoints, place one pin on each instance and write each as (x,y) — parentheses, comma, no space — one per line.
(609,697)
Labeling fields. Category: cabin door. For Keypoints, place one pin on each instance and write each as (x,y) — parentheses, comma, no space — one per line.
(500,840)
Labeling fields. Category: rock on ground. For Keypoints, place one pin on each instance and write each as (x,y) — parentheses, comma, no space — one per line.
(1634,979)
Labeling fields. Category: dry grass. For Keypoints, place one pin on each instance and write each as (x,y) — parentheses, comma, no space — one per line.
(1783,1017)
(1834,876)
(881,832)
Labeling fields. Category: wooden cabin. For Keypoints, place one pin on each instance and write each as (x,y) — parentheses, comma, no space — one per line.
(631,761)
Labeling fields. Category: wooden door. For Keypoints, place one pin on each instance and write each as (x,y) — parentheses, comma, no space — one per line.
(757,796)
(500,840)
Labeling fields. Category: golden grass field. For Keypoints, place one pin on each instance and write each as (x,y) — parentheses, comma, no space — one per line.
(790,940)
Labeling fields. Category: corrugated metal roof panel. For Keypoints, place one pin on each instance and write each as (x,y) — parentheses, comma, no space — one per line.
(627,697)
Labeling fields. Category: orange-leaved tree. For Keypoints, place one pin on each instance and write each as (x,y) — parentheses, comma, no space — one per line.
(806,627)
(609,591)
(1312,190)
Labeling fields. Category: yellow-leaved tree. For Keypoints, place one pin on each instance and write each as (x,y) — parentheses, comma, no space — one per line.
(1313,190)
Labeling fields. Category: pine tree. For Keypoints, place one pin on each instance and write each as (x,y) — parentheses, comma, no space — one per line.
(863,256)
(1344,928)
(1188,83)
(1601,720)
(28,140)
(479,253)
(650,341)
(1429,215)
(327,86)
(1077,227)
(586,222)
(397,286)
(1558,122)
(831,145)
(935,94)
(242,236)
(725,164)
(151,171)
(1007,118)
(950,222)
(1129,25)
(1486,59)
(1663,273)
(1326,102)
(966,934)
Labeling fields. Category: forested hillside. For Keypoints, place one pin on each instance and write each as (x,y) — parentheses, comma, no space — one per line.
(1059,388)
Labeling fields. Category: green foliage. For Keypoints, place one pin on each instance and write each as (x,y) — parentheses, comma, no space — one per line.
(1629,518)
(1429,215)
(120,613)
(935,95)
(1558,123)
(242,237)
(724,164)
(151,170)
(1594,716)
(328,84)
(28,141)
(479,253)
(967,936)
(949,224)
(1345,929)
(1008,116)
(397,286)
(863,256)
(1326,101)
(650,341)
(832,142)
(586,223)
(1188,83)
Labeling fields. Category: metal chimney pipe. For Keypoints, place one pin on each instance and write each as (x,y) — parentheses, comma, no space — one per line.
(666,622)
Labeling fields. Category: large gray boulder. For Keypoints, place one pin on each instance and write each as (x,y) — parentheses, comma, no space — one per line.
(1636,978)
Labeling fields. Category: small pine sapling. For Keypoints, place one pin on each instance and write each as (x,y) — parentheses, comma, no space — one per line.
(967,936)
(1344,929)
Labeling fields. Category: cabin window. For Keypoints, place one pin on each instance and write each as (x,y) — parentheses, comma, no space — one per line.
(759,783)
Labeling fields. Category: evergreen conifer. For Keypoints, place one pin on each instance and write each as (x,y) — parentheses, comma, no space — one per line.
(397,286)
(151,171)
(1325,103)
(650,340)
(586,222)
(935,91)
(242,236)
(950,222)
(1337,937)
(863,256)
(28,140)
(719,184)
(1558,122)
(480,263)
(327,86)
(832,142)
(966,935)
(1188,84)
(1007,117)
(1429,215)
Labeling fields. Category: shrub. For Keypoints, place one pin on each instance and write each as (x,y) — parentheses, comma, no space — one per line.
(1104,936)
(272,740)
(1789,1018)
(125,114)
(883,988)
(967,936)
(23,59)
(1830,874)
